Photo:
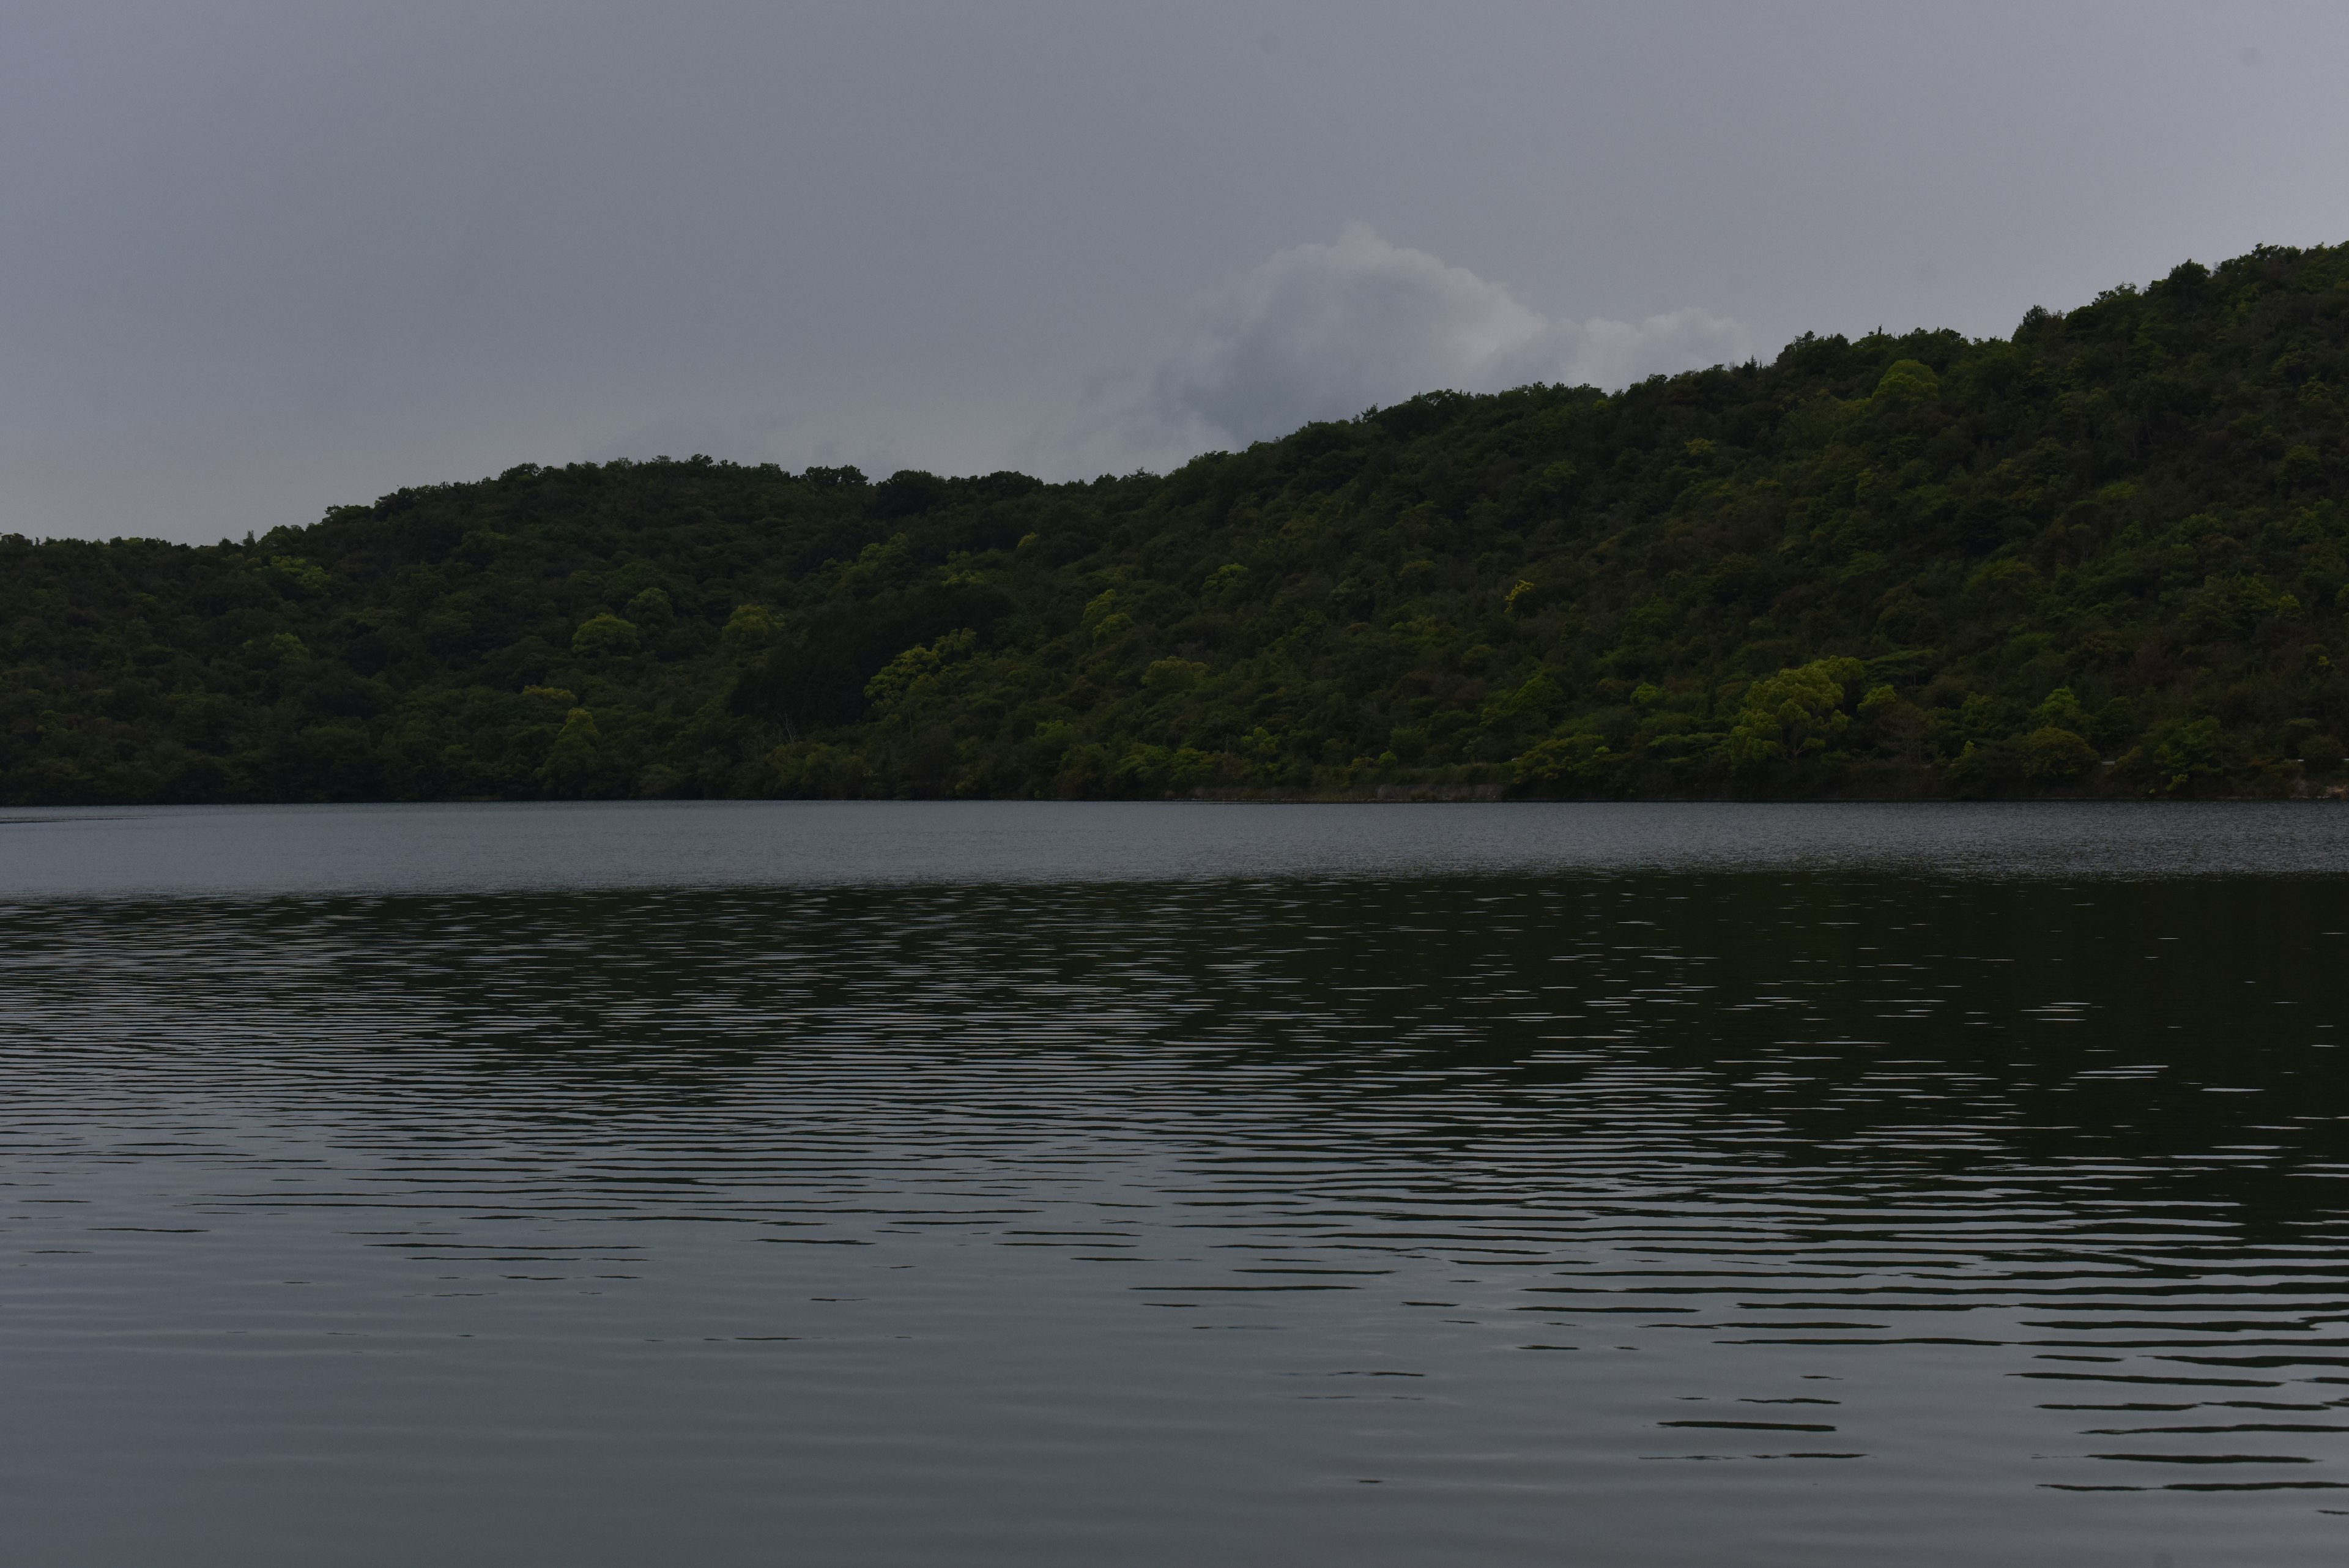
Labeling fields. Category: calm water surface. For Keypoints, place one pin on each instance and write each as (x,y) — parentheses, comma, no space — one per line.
(1003,1184)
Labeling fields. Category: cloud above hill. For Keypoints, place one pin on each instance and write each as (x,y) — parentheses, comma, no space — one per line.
(1324,332)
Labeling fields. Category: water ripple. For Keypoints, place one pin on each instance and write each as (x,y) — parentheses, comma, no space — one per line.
(1017,1223)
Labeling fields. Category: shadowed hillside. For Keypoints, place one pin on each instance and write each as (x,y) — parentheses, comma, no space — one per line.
(2105,556)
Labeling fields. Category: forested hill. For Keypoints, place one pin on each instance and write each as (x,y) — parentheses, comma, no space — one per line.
(2106,555)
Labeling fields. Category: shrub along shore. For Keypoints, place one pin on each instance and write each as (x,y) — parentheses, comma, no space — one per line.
(2105,556)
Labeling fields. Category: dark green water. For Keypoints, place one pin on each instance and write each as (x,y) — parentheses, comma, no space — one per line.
(1036,1185)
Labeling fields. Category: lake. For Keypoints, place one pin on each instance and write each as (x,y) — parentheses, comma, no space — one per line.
(971,1183)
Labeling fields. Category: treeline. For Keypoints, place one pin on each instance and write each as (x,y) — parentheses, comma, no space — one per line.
(2106,555)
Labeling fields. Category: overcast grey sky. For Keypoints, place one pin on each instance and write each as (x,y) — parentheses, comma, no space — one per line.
(261,259)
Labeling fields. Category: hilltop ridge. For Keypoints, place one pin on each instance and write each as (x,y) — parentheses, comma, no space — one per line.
(2105,556)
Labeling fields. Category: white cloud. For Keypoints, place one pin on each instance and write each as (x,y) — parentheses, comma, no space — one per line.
(1325,331)
(1322,332)
(1614,354)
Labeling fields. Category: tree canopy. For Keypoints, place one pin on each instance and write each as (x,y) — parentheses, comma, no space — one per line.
(2105,556)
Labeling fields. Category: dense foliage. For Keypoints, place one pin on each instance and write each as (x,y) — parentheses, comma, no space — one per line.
(2106,555)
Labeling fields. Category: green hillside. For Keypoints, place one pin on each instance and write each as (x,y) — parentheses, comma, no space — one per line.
(2104,556)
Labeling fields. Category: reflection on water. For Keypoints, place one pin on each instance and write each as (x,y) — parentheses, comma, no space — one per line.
(337,850)
(1657,1218)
